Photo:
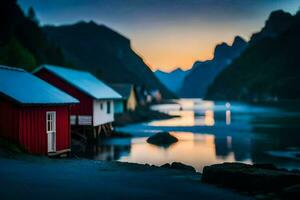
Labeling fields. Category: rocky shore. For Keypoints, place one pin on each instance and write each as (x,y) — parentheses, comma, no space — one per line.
(94,179)
(261,180)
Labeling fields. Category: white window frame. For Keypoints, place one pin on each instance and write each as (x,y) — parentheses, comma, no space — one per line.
(51,130)
(53,120)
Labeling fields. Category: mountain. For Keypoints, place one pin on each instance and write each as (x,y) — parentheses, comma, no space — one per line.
(172,80)
(22,42)
(203,73)
(105,53)
(269,69)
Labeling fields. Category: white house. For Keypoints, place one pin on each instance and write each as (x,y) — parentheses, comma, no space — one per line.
(96,98)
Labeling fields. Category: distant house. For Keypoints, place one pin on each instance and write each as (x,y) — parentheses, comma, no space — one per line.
(129,98)
(33,113)
(142,95)
(96,107)
(146,96)
(156,96)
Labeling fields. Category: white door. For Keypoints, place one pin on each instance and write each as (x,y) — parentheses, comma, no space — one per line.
(51,131)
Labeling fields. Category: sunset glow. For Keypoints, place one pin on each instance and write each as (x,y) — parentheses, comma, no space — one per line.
(167,34)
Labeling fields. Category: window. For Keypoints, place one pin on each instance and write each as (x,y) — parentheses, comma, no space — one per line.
(101,106)
(108,107)
(50,122)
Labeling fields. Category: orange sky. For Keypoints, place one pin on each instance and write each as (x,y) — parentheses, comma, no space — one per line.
(167,33)
(169,48)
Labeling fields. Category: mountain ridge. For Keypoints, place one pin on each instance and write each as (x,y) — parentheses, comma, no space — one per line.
(203,73)
(105,53)
(173,79)
(22,43)
(268,69)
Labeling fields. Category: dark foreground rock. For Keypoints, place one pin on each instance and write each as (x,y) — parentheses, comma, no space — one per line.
(162,139)
(252,178)
(292,192)
(179,166)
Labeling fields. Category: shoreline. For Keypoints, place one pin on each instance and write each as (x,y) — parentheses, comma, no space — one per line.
(139,116)
(18,168)
(82,178)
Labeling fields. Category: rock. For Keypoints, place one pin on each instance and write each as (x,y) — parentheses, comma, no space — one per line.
(265,166)
(297,171)
(179,166)
(162,139)
(292,192)
(248,177)
(167,165)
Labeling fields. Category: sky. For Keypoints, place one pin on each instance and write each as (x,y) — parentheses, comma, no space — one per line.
(167,33)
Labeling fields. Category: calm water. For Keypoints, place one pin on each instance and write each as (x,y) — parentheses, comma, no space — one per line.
(211,132)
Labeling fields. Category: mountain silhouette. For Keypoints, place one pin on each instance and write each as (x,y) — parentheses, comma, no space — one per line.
(203,73)
(22,42)
(172,80)
(105,53)
(269,69)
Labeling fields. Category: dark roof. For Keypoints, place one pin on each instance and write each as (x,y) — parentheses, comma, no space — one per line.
(26,88)
(84,81)
(123,89)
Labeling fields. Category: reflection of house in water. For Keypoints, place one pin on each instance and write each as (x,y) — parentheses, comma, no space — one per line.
(107,152)
(223,146)
(240,147)
(204,118)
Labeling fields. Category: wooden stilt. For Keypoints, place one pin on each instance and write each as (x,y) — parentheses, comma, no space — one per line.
(104,130)
(95,132)
(99,130)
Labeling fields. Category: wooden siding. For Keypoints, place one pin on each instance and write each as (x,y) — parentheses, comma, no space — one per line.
(26,125)
(9,120)
(85,107)
(33,134)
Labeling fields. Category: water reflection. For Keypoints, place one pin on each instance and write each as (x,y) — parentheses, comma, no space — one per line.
(228,117)
(209,119)
(189,113)
(103,151)
(190,149)
(210,133)
(223,146)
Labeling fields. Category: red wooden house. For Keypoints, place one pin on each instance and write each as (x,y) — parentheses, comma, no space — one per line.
(96,107)
(33,113)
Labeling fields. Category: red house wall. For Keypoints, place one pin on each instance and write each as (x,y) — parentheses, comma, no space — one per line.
(26,125)
(85,107)
(33,135)
(9,120)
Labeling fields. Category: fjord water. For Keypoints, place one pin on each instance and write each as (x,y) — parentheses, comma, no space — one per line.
(209,133)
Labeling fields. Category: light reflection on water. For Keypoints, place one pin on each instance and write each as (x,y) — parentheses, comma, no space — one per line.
(209,133)
(190,149)
(228,117)
(191,113)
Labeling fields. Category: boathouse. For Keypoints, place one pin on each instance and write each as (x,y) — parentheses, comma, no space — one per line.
(96,107)
(34,114)
(129,98)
